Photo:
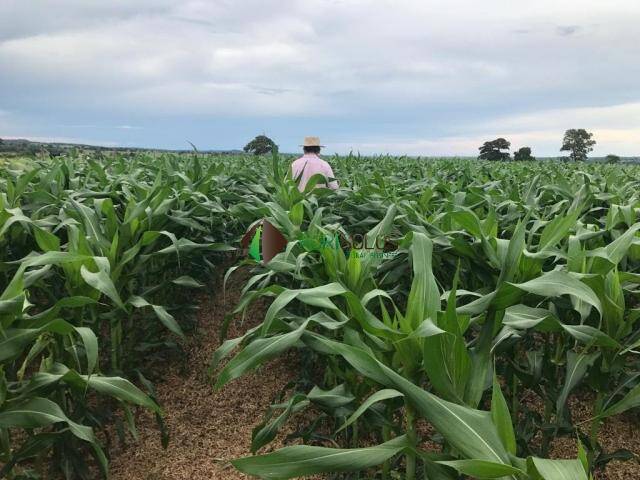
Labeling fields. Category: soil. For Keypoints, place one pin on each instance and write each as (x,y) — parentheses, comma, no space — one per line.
(619,432)
(208,428)
(615,433)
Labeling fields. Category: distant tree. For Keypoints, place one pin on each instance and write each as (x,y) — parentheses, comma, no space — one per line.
(611,158)
(493,150)
(579,142)
(523,153)
(260,145)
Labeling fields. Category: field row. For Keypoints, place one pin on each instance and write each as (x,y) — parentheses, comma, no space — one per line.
(506,281)
(428,297)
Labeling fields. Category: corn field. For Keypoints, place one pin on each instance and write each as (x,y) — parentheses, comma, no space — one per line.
(428,298)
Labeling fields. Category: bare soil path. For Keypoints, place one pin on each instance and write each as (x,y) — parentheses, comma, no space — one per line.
(208,428)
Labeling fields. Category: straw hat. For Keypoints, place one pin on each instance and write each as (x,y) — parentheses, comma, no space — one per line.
(311,142)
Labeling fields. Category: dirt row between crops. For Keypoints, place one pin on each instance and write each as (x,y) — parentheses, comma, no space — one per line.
(209,428)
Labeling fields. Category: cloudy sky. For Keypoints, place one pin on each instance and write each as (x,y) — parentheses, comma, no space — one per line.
(397,76)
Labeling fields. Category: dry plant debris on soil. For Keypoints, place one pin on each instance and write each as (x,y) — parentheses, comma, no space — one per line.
(208,428)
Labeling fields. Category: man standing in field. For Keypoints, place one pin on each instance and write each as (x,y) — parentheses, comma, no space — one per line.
(311,164)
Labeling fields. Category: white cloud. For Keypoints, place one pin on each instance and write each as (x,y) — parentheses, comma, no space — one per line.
(119,127)
(528,70)
(219,99)
(616,130)
(615,116)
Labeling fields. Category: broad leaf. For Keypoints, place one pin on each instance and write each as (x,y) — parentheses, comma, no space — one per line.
(302,460)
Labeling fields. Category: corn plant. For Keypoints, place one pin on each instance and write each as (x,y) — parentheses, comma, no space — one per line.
(485,267)
(95,250)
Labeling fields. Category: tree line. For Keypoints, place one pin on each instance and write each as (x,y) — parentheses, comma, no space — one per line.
(577,141)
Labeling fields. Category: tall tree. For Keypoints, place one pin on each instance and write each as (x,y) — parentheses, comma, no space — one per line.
(579,142)
(493,150)
(260,145)
(523,153)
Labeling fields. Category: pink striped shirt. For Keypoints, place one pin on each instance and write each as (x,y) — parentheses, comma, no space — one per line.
(307,166)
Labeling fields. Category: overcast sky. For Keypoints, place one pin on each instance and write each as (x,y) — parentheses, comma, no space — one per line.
(386,76)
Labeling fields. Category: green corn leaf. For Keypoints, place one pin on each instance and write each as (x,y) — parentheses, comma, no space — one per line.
(121,389)
(630,400)
(502,418)
(53,312)
(187,281)
(607,258)
(577,366)
(556,283)
(424,297)
(469,431)
(511,261)
(16,216)
(46,240)
(54,258)
(302,460)
(426,329)
(318,297)
(446,359)
(41,412)
(481,468)
(223,351)
(334,398)
(12,307)
(102,282)
(90,342)
(522,317)
(280,302)
(15,340)
(378,396)
(267,431)
(469,221)
(257,352)
(184,245)
(557,229)
(557,469)
(165,317)
(590,335)
(583,456)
